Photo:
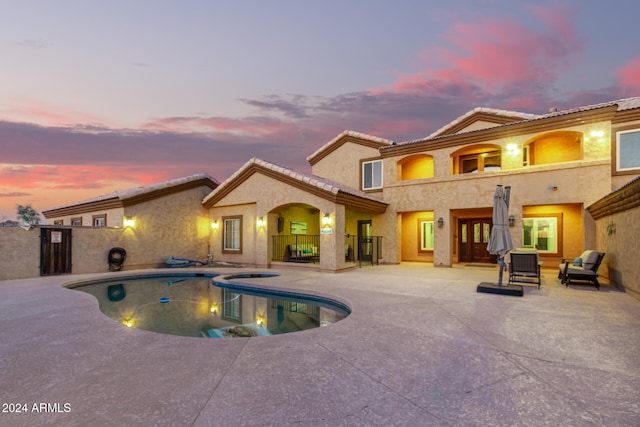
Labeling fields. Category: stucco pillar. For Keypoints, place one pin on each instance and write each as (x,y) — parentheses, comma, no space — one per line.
(332,239)
(261,239)
(442,238)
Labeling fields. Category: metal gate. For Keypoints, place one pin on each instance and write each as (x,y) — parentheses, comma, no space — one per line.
(55,251)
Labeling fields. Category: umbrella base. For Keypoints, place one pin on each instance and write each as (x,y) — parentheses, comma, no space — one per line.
(494,288)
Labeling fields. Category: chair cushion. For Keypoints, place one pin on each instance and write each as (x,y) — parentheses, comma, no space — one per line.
(579,271)
(589,261)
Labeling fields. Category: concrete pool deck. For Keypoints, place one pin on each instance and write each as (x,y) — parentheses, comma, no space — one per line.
(421,348)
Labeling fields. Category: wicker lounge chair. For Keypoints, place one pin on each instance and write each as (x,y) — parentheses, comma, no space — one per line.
(584,268)
(524,268)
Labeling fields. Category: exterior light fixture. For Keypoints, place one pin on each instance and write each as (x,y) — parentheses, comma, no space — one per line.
(129,222)
(326,219)
(260,222)
(597,133)
(440,222)
(214,224)
(512,220)
(260,320)
(213,309)
(512,148)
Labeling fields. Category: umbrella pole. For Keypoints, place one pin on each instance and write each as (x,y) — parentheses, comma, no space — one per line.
(501,264)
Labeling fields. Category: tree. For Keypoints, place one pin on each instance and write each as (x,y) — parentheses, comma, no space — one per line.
(28,214)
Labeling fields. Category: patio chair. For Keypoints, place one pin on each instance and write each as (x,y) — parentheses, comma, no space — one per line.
(584,268)
(524,268)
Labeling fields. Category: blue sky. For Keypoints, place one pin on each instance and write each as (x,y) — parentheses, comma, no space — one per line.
(100,96)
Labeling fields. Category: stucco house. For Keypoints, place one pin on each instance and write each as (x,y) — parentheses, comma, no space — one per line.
(429,200)
(369,199)
(150,223)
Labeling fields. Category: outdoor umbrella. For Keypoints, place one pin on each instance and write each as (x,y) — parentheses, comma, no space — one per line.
(500,240)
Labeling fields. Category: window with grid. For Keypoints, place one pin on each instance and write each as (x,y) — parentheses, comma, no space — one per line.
(232,239)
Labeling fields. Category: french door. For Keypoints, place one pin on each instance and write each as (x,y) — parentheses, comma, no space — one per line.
(473,238)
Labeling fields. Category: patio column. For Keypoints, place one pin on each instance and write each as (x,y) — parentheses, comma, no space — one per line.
(442,238)
(262,225)
(332,238)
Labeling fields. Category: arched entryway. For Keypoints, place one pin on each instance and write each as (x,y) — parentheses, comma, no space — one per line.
(295,233)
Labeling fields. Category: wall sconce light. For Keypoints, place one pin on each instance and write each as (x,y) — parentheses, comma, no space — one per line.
(260,320)
(260,222)
(214,308)
(440,222)
(513,149)
(214,224)
(129,222)
(326,219)
(512,220)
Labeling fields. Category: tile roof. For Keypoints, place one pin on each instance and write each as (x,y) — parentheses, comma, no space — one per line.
(316,181)
(493,111)
(623,104)
(137,191)
(382,141)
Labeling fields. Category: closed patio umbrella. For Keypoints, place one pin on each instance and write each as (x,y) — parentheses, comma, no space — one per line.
(500,241)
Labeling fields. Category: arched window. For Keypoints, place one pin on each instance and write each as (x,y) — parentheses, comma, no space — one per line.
(477,158)
(553,147)
(417,166)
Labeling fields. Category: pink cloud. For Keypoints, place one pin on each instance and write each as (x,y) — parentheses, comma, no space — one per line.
(75,177)
(29,110)
(628,77)
(249,126)
(491,56)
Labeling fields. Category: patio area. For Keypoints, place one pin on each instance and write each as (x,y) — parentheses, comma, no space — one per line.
(421,347)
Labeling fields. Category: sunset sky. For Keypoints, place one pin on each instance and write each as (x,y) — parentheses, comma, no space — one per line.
(104,96)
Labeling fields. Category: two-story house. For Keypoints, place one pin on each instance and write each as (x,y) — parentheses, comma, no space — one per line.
(430,200)
(369,199)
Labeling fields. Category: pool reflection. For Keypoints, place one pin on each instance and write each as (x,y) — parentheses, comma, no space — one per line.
(194,307)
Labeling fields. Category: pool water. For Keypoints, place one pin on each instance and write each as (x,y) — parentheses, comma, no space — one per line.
(196,306)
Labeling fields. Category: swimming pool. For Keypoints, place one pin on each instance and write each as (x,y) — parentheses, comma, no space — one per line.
(209,305)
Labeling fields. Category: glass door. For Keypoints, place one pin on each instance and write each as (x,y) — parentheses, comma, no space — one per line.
(365,240)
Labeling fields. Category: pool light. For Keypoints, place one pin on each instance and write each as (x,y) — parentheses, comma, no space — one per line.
(129,323)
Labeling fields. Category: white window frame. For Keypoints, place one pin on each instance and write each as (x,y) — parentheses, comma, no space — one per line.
(99,220)
(620,155)
(232,234)
(542,227)
(375,174)
(427,232)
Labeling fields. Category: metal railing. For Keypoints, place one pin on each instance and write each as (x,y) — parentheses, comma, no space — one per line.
(306,248)
(296,248)
(363,249)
